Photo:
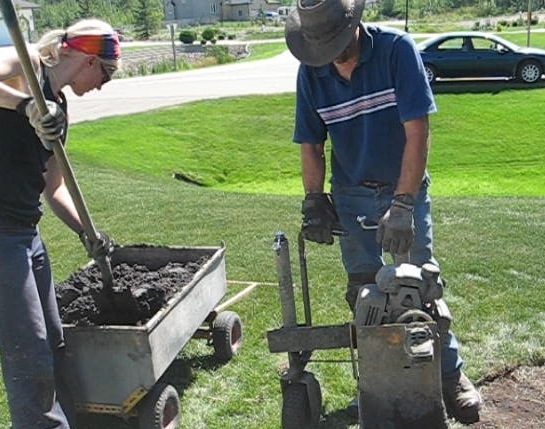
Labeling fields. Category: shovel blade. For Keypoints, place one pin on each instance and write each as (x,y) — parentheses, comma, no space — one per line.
(117,305)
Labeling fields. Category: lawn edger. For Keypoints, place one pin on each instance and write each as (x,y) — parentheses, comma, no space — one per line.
(394,340)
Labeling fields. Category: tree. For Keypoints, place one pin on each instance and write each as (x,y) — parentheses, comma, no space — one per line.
(148,17)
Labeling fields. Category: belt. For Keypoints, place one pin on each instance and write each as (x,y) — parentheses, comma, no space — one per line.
(373,184)
(18,222)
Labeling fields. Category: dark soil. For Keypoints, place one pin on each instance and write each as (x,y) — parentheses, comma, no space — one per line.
(138,293)
(513,399)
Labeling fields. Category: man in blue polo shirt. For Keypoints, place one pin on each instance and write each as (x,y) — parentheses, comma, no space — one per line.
(365,88)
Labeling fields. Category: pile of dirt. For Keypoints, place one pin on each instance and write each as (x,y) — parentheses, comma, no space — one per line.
(513,399)
(138,293)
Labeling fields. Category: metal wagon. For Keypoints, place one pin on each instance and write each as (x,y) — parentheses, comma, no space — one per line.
(116,369)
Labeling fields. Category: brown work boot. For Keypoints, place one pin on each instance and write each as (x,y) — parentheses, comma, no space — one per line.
(462,400)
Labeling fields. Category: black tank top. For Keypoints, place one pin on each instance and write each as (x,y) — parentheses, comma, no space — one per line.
(22,164)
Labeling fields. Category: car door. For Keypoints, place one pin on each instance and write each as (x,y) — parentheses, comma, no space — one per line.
(492,59)
(454,58)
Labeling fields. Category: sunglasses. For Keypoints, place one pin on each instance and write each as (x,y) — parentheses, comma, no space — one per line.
(107,72)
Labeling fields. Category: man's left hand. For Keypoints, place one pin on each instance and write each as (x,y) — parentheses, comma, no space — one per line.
(396,228)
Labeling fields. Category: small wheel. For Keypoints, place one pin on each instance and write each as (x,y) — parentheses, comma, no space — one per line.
(431,72)
(226,335)
(529,71)
(296,413)
(160,408)
(411,316)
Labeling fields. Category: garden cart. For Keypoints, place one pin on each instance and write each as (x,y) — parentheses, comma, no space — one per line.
(116,369)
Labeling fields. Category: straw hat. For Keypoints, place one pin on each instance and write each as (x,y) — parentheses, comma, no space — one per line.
(319,30)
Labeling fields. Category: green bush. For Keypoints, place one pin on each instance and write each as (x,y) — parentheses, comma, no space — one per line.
(188,36)
(209,33)
(220,53)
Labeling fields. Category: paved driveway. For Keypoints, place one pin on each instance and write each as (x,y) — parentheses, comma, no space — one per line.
(138,94)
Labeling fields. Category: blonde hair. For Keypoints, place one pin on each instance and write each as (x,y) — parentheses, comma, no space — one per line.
(50,47)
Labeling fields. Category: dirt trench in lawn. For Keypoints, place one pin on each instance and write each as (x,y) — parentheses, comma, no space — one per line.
(513,399)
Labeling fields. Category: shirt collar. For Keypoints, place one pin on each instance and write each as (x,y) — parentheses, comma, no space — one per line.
(366,44)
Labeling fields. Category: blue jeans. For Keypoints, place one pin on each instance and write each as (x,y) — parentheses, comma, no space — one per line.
(361,254)
(31,338)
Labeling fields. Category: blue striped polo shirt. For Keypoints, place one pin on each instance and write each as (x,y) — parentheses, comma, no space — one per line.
(364,117)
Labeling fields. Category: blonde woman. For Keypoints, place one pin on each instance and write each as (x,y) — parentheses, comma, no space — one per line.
(84,57)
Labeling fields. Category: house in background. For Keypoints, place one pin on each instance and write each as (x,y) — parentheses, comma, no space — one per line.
(25,13)
(190,12)
(236,10)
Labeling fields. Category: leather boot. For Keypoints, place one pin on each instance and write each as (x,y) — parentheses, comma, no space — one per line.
(461,398)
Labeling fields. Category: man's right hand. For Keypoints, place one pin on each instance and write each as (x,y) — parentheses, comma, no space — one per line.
(319,218)
(49,127)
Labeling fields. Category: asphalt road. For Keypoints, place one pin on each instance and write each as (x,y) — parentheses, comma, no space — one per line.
(131,95)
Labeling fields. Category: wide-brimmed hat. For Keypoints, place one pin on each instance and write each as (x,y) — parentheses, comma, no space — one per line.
(317,31)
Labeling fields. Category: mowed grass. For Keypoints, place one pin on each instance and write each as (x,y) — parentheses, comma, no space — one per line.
(487,166)
(481,144)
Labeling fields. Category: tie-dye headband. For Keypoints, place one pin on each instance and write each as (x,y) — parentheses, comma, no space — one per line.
(105,46)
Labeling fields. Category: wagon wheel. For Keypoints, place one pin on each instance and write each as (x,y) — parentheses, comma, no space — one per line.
(296,411)
(226,335)
(160,408)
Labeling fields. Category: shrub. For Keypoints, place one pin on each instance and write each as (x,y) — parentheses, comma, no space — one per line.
(209,33)
(188,36)
(220,53)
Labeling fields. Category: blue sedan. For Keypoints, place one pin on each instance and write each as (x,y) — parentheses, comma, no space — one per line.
(473,54)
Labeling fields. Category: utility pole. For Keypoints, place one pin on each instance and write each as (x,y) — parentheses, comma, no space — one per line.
(528,22)
(407,16)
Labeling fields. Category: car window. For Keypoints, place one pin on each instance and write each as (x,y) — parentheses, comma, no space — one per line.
(483,44)
(451,44)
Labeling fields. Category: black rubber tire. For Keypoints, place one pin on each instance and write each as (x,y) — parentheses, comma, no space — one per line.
(431,72)
(227,335)
(160,408)
(296,408)
(529,71)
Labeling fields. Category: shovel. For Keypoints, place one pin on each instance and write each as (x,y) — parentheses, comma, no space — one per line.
(109,300)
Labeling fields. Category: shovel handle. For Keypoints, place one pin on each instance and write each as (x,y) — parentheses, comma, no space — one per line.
(12,24)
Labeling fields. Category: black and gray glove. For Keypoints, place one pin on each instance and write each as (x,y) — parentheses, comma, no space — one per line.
(49,127)
(319,218)
(396,228)
(99,248)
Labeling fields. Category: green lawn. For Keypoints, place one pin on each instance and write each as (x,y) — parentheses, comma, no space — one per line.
(479,144)
(487,164)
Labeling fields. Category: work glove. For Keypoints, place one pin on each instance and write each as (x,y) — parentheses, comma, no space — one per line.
(395,230)
(49,127)
(97,249)
(319,218)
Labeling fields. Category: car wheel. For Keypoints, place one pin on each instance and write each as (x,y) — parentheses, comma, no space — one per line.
(431,72)
(529,71)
